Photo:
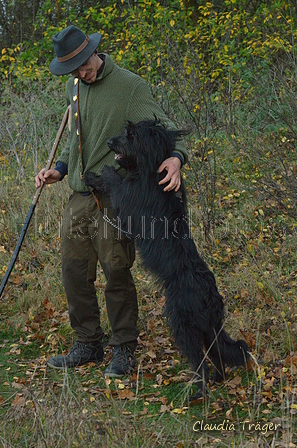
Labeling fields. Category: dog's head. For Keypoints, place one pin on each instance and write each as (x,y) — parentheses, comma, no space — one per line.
(144,145)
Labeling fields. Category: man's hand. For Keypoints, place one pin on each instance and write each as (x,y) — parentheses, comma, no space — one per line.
(48,177)
(172,166)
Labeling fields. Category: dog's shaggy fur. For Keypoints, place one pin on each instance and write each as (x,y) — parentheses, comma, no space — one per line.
(157,220)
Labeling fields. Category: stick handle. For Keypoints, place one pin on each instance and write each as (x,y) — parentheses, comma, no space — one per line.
(34,202)
(17,248)
(52,153)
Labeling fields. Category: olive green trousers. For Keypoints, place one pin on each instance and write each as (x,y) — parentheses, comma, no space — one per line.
(87,238)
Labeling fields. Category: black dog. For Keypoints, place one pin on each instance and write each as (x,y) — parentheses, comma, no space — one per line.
(157,220)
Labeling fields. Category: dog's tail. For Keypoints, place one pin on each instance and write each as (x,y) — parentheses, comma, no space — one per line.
(234,353)
(223,350)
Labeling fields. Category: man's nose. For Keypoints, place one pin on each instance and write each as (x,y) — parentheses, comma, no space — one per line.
(82,72)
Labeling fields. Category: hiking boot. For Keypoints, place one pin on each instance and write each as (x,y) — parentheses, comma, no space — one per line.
(80,353)
(122,363)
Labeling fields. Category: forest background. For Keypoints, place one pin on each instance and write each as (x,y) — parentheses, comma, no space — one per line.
(227,70)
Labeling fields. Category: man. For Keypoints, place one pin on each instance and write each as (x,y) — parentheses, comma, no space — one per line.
(108,96)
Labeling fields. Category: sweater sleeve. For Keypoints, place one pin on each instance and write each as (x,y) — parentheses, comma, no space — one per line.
(142,106)
(62,168)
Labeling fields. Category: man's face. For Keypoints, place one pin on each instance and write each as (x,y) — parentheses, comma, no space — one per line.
(88,71)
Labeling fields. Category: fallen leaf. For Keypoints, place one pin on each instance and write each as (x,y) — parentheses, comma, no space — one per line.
(235,382)
(229,413)
(291,360)
(249,338)
(159,379)
(144,411)
(18,401)
(99,285)
(126,394)
(16,385)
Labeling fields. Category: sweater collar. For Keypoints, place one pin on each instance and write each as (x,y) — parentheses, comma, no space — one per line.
(107,68)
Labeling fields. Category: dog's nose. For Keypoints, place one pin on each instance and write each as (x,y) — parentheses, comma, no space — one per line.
(109,142)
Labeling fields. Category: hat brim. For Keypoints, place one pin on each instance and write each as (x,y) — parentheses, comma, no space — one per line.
(64,68)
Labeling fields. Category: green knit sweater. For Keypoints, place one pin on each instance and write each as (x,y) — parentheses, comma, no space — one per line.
(105,106)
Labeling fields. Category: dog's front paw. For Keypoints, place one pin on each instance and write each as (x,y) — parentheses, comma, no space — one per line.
(108,171)
(93,181)
(110,178)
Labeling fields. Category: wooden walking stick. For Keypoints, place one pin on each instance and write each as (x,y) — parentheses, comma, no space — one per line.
(34,202)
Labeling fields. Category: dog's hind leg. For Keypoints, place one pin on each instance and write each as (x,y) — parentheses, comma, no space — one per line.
(214,353)
(200,368)
(190,343)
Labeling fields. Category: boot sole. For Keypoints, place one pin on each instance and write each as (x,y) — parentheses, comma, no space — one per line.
(115,375)
(64,367)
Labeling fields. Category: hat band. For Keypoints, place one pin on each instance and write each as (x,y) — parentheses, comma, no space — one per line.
(75,52)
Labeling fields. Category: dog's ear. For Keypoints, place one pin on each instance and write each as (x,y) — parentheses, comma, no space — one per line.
(157,120)
(130,128)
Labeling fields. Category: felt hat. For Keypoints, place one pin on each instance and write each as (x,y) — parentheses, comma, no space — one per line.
(72,48)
